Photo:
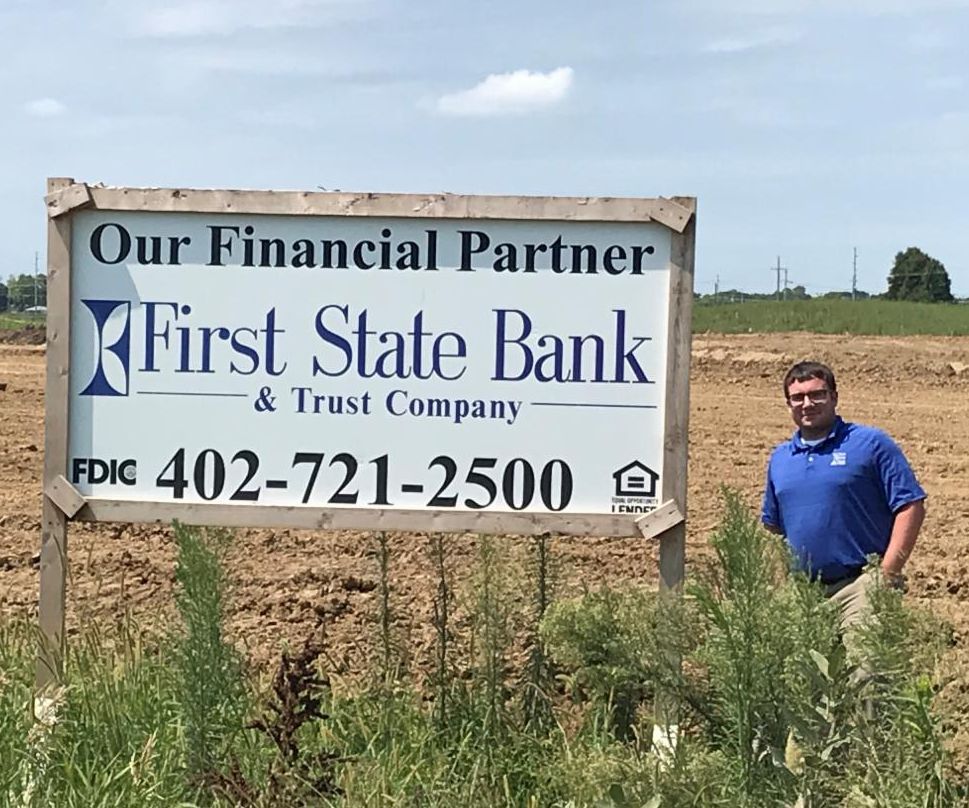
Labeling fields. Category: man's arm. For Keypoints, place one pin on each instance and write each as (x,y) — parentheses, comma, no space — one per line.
(905,530)
(770,511)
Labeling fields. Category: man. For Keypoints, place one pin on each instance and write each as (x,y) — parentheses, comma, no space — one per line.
(840,492)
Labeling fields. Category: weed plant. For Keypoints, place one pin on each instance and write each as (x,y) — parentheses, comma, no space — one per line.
(211,692)
(491,641)
(771,707)
(442,677)
(537,679)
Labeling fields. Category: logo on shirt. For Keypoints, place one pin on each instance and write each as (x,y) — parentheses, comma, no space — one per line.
(839,458)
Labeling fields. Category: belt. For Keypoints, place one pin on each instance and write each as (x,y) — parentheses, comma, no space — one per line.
(850,575)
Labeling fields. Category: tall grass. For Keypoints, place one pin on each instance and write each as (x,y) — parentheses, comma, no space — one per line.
(117,739)
(210,690)
(834,316)
(770,705)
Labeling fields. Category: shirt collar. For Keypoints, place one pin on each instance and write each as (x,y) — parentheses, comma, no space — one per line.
(798,444)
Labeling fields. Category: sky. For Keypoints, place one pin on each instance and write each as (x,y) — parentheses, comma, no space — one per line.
(805,128)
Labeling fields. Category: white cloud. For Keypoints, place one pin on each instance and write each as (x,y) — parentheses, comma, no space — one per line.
(509,93)
(189,18)
(45,107)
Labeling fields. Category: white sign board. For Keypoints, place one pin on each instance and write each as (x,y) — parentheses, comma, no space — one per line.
(369,362)
(327,360)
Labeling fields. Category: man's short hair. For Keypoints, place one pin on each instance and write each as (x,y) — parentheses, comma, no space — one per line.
(803,371)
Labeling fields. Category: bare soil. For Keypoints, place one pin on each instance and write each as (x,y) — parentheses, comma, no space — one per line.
(289,585)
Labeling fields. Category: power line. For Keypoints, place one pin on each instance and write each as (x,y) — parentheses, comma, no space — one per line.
(778,269)
(854,274)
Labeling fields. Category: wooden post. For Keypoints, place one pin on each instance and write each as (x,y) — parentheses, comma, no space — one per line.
(53,547)
(672,548)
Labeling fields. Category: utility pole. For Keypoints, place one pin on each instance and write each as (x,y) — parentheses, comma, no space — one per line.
(36,263)
(778,269)
(854,274)
(716,290)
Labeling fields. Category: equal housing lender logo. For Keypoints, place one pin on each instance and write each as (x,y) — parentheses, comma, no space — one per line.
(634,488)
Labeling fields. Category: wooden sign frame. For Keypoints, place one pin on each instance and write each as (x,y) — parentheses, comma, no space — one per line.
(63,503)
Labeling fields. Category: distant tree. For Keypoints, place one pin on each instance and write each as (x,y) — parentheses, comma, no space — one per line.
(917,276)
(797,293)
(24,291)
(4,297)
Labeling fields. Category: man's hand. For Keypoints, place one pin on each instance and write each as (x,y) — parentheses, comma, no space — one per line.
(905,530)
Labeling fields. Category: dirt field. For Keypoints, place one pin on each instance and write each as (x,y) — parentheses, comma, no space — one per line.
(289,584)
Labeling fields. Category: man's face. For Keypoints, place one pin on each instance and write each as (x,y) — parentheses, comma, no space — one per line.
(813,407)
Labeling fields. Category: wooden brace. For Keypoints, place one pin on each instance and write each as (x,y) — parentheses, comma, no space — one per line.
(77,195)
(660,520)
(65,496)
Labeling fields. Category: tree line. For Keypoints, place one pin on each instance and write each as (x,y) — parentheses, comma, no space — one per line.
(23,292)
(914,276)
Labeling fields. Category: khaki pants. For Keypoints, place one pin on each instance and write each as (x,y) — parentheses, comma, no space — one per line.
(855,610)
(851,596)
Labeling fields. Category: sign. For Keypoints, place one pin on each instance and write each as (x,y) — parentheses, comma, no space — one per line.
(364,361)
(368,362)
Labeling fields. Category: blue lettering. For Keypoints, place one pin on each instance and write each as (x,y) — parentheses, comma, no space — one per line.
(390,354)
(624,357)
(151,334)
(336,340)
(565,359)
(247,351)
(196,347)
(392,397)
(502,340)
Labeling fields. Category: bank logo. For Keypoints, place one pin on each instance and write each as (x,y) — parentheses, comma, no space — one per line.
(635,480)
(112,320)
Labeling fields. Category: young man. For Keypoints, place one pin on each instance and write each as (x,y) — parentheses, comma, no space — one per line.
(839,492)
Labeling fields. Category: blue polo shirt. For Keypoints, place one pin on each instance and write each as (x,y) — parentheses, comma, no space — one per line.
(836,502)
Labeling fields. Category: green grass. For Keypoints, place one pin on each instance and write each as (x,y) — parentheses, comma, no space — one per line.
(176,721)
(17,320)
(888,317)
(820,316)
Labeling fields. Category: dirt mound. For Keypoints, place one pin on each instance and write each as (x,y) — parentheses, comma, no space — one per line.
(30,335)
(934,361)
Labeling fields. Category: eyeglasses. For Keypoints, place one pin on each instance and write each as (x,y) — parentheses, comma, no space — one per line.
(814,396)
